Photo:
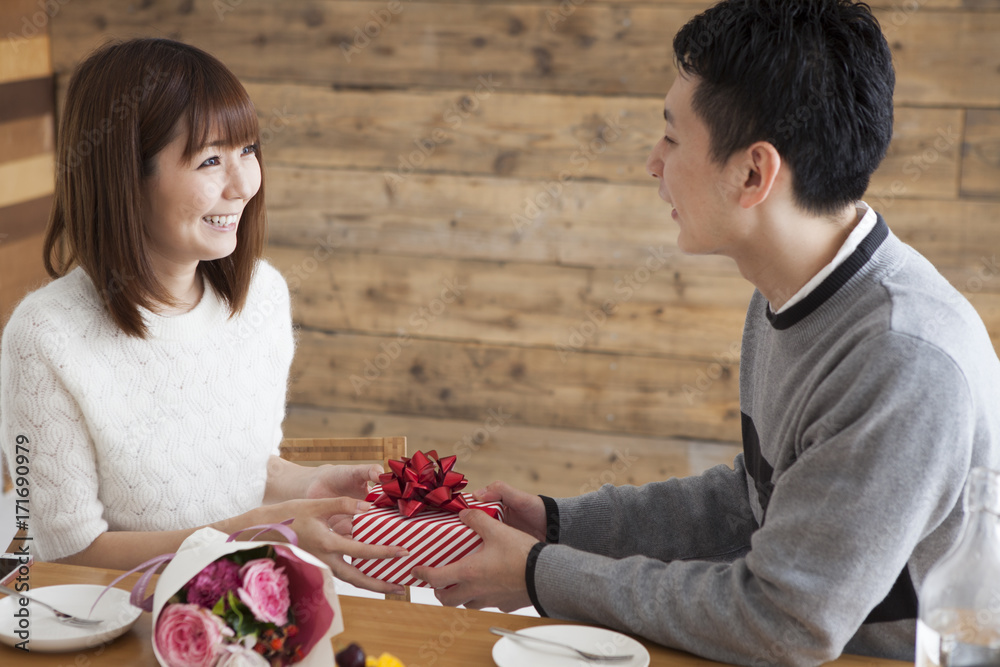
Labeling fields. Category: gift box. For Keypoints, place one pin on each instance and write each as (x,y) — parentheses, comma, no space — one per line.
(416,507)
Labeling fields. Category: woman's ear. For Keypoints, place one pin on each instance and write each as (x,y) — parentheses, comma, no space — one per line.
(760,168)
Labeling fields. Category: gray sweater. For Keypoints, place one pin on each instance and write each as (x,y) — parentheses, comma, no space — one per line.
(864,407)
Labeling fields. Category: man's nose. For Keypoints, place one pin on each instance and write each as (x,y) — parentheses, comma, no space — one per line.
(654,165)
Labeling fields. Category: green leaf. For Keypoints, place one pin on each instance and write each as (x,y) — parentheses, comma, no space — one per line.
(235,604)
(241,558)
(220,607)
(240,618)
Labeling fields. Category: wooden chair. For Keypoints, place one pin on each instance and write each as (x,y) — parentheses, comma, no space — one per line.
(323,450)
(316,451)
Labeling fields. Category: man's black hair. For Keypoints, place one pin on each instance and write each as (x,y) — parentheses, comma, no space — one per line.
(813,77)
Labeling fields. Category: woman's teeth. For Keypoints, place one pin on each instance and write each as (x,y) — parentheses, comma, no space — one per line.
(221,220)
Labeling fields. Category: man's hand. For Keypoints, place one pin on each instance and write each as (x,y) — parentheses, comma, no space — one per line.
(525,511)
(492,576)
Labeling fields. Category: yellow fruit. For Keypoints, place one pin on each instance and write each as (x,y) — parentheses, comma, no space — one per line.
(384,660)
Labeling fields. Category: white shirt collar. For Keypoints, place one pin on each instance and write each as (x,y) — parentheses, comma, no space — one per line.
(860,231)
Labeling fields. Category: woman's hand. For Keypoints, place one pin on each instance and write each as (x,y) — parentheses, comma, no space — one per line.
(291,481)
(525,511)
(323,501)
(330,481)
(323,527)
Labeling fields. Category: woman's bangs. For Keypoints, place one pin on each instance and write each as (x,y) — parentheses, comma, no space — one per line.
(227,116)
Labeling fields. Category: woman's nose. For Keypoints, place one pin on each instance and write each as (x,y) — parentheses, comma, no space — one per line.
(243,180)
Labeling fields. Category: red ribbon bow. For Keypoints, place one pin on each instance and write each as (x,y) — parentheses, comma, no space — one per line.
(422,481)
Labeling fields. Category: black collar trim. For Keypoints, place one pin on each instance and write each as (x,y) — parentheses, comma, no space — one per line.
(834,281)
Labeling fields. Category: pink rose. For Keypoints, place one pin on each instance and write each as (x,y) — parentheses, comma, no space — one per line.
(189,636)
(265,591)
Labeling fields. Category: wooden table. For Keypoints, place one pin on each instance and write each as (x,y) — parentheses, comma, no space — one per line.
(420,635)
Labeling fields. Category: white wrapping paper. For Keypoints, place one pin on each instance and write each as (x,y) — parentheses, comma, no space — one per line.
(208,545)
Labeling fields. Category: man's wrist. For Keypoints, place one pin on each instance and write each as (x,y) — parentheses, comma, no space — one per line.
(529,576)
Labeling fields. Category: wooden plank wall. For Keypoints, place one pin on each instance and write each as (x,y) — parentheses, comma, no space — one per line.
(479,261)
(27,159)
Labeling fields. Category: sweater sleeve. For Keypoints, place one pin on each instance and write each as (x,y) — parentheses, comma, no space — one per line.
(885,448)
(64,512)
(703,516)
(282,339)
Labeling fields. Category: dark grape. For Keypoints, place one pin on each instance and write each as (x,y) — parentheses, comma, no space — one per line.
(352,656)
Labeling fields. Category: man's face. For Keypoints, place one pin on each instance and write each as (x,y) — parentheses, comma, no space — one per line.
(690,181)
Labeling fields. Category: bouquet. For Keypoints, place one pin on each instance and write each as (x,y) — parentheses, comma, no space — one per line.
(221,603)
(236,611)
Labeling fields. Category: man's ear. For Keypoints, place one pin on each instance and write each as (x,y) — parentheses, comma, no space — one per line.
(759,170)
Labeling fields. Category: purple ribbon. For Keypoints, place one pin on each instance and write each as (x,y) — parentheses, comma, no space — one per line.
(150,567)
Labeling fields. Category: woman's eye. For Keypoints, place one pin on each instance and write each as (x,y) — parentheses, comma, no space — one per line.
(216,160)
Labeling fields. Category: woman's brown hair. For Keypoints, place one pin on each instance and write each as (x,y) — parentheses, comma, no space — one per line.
(124,104)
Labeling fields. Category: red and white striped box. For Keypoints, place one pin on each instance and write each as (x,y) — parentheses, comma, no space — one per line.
(433,537)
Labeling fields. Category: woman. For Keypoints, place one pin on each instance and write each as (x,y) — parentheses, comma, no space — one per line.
(148,381)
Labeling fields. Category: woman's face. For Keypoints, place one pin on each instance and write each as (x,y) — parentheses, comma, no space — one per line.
(192,207)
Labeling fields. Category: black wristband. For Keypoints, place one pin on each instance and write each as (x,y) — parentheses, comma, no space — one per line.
(551,520)
(529,576)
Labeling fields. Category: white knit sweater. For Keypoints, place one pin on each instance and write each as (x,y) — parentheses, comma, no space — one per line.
(165,433)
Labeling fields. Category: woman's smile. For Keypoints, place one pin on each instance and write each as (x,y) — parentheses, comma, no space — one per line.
(223,223)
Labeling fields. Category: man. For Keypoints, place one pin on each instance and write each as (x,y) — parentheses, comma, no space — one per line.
(868,385)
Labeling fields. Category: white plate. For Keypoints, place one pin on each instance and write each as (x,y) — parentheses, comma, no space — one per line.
(511,653)
(46,634)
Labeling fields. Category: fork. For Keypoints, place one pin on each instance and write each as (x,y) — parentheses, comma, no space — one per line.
(590,657)
(69,619)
